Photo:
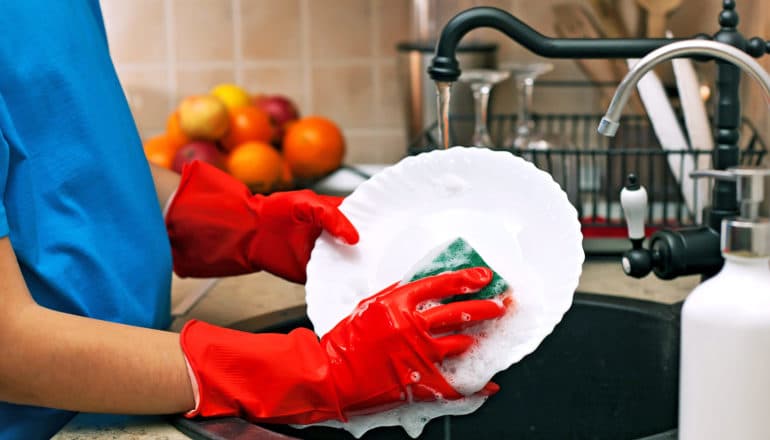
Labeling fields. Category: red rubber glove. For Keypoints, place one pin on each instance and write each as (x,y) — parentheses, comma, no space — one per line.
(218,228)
(379,357)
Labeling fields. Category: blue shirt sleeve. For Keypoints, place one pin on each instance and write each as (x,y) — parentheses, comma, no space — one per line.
(4,159)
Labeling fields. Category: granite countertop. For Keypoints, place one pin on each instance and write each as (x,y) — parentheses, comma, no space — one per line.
(264,300)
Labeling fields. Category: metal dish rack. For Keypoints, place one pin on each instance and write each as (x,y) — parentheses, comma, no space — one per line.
(602,165)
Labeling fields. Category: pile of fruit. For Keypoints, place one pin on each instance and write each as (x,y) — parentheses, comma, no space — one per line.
(260,140)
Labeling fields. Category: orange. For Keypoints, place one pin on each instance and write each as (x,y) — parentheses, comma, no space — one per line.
(257,164)
(247,124)
(160,151)
(313,147)
(174,131)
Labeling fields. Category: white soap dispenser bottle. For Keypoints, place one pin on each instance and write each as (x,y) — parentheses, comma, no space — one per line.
(724,388)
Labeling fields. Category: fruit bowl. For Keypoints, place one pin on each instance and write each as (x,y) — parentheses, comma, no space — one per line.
(261,140)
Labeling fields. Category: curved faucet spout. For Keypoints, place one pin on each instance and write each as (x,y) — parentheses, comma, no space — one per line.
(444,66)
(611,120)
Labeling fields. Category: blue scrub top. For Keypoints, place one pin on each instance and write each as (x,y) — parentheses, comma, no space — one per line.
(76,194)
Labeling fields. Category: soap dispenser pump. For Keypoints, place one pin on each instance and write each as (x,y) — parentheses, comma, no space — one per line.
(724,388)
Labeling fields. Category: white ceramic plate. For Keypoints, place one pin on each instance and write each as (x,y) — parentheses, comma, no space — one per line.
(516,217)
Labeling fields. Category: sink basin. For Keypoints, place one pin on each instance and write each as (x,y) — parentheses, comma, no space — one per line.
(608,371)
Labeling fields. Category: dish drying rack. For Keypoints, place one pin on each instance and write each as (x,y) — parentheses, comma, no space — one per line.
(602,164)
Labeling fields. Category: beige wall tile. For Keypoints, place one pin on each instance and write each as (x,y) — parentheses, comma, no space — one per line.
(340,28)
(277,80)
(203,30)
(390,104)
(506,48)
(270,29)
(448,9)
(147,92)
(136,30)
(393,24)
(379,148)
(345,94)
(196,81)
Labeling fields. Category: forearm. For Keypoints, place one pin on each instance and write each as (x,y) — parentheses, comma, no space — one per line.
(166,182)
(58,360)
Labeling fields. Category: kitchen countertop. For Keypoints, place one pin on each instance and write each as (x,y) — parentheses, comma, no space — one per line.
(263,299)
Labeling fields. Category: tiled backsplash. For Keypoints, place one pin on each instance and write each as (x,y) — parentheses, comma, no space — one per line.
(333,57)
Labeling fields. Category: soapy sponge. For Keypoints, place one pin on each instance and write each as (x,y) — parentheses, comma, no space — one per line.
(456,255)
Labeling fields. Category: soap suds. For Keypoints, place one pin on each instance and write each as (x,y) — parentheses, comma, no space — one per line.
(470,372)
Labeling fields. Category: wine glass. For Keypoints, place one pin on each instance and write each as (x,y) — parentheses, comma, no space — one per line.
(524,76)
(481,82)
(547,150)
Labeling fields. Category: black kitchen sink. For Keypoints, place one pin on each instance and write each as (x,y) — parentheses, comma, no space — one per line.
(609,370)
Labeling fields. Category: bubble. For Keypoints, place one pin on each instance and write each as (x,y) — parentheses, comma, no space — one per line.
(414,376)
(465,316)
(427,305)
(412,417)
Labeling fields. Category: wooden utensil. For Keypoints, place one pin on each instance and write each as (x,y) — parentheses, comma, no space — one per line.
(574,21)
(607,13)
(657,13)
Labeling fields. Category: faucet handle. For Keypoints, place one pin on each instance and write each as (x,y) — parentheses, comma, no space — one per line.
(637,261)
(633,200)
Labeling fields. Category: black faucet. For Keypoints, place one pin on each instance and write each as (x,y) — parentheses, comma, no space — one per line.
(444,66)
(677,252)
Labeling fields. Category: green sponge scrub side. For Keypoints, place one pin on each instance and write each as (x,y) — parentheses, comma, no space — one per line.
(456,256)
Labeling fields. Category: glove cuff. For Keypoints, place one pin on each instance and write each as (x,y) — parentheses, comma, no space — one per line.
(167,206)
(195,389)
(270,378)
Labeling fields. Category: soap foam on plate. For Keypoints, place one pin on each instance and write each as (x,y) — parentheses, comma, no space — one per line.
(470,372)
(514,214)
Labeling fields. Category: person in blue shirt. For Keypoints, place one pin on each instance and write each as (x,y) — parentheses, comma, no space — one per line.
(86,257)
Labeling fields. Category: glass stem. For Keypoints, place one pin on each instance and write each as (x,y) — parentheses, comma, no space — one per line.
(524,85)
(481,100)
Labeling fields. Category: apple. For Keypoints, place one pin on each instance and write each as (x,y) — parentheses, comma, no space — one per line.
(231,95)
(204,151)
(281,110)
(203,117)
